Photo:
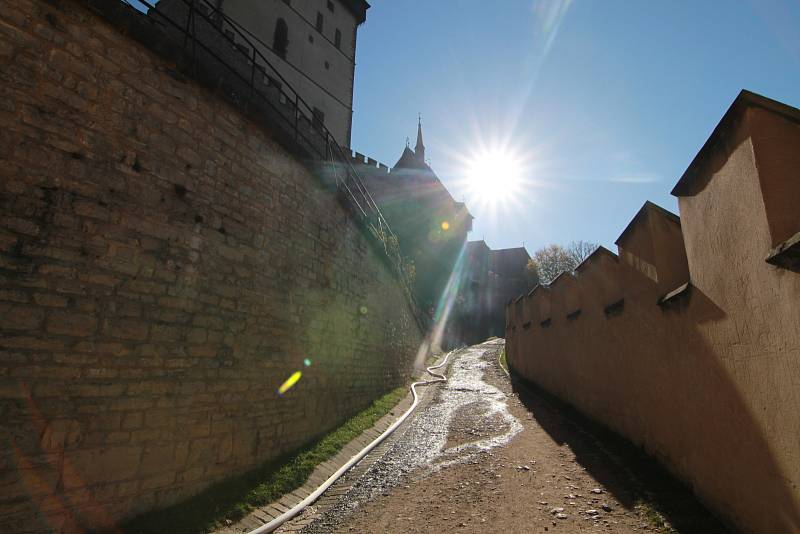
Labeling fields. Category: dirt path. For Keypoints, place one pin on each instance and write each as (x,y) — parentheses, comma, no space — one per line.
(489,456)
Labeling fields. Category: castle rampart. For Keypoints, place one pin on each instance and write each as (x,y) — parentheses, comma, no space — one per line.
(688,342)
(165,265)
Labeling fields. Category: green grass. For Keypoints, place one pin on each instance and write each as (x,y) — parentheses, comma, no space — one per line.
(235,498)
(502,360)
(649,513)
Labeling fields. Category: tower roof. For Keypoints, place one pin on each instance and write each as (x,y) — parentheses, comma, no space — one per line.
(358,8)
(407,160)
(419,149)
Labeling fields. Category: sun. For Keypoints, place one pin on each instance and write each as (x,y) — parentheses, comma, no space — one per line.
(494,175)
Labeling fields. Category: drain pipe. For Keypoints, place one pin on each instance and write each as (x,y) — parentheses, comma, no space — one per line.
(299,507)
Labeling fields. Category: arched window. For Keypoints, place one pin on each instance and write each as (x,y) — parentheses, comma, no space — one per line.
(280,42)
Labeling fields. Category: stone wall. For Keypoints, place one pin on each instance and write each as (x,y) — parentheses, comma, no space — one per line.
(164,267)
(688,341)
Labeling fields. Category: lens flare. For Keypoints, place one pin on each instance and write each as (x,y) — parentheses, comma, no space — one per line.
(494,174)
(291,381)
(307,362)
(445,226)
(444,307)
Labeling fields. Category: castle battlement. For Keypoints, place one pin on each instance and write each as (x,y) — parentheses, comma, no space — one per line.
(681,341)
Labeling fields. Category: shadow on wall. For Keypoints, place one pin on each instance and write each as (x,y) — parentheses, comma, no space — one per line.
(688,343)
(623,470)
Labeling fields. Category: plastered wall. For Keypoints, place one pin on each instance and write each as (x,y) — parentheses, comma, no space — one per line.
(688,341)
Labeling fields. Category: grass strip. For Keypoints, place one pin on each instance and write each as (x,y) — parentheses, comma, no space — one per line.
(502,360)
(649,513)
(234,498)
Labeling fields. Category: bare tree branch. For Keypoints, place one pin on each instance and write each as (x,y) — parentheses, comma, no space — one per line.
(549,262)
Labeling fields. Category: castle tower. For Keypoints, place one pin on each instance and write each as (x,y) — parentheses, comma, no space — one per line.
(419,149)
(310,43)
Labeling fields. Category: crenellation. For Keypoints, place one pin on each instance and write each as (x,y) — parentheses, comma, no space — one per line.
(685,332)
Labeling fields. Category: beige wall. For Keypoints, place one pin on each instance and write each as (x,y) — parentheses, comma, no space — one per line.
(164,267)
(707,381)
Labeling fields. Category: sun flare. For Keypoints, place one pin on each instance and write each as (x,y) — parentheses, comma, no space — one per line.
(494,175)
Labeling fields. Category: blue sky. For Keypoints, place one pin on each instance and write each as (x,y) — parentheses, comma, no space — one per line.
(607,101)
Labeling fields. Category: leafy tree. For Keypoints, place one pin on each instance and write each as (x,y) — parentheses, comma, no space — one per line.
(550,261)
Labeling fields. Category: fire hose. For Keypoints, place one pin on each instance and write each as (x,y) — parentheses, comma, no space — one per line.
(299,507)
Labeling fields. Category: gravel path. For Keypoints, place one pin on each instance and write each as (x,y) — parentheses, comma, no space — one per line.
(486,455)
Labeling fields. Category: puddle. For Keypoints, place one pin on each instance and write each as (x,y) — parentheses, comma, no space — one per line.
(422,444)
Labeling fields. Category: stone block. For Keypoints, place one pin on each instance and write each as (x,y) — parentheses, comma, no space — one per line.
(71,324)
(103,464)
(49,299)
(15,317)
(127,329)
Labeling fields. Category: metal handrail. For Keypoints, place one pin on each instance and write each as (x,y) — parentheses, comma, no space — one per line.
(347,179)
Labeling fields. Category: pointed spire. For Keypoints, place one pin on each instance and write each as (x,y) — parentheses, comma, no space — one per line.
(419,150)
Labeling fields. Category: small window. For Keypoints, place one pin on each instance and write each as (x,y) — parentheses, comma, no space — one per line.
(330,6)
(280,41)
(337,39)
(327,65)
(319,118)
(319,22)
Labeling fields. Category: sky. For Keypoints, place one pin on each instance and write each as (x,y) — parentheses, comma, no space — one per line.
(603,104)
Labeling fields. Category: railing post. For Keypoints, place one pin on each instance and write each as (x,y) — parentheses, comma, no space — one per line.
(296,114)
(188,22)
(253,74)
(194,40)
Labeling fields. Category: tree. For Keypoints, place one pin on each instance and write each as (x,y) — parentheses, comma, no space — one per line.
(549,262)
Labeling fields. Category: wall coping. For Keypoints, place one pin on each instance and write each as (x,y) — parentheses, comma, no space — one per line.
(647,207)
(724,129)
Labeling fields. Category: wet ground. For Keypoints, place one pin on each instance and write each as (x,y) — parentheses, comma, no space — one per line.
(483,454)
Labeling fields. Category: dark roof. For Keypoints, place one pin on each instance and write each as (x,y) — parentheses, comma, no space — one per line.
(411,171)
(724,129)
(509,261)
(409,160)
(477,245)
(648,206)
(462,206)
(358,8)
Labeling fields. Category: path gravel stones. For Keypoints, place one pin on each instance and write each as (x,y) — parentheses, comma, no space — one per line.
(485,454)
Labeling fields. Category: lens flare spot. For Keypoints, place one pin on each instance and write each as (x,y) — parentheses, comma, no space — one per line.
(495,175)
(363,310)
(291,381)
(307,362)
(445,226)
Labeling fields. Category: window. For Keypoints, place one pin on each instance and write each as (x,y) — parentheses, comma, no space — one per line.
(337,39)
(319,22)
(330,6)
(280,41)
(319,118)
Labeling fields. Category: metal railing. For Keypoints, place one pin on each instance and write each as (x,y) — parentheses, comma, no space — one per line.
(222,55)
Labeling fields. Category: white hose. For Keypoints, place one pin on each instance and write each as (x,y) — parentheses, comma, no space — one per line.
(299,507)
